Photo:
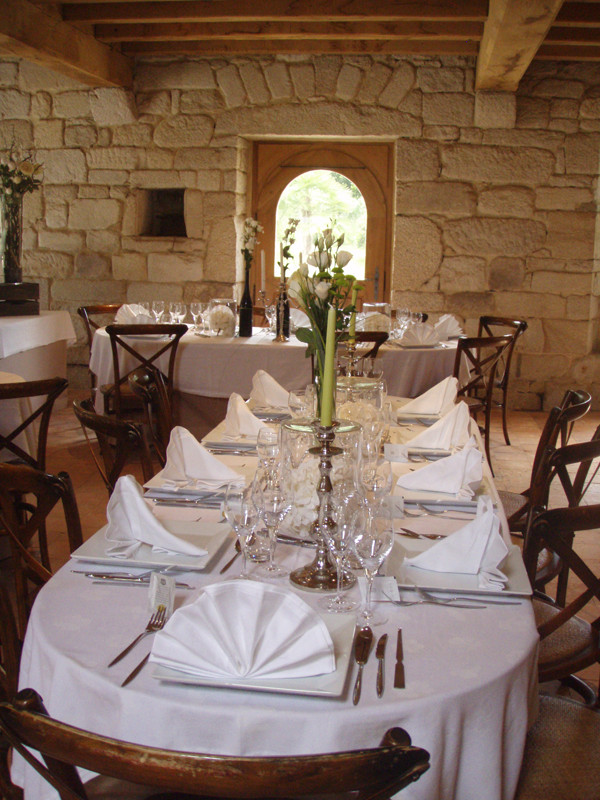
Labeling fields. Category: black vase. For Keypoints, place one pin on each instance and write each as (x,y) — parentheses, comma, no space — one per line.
(245,309)
(283,313)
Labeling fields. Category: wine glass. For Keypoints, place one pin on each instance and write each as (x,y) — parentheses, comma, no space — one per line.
(178,311)
(375,479)
(196,311)
(272,497)
(339,537)
(158,309)
(267,445)
(243,516)
(271,315)
(372,542)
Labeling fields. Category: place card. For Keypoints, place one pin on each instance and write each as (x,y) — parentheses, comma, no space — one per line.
(161,592)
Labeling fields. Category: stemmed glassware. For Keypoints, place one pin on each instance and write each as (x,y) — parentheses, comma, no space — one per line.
(272,496)
(178,311)
(197,310)
(375,479)
(158,309)
(268,445)
(343,507)
(372,543)
(271,315)
(242,514)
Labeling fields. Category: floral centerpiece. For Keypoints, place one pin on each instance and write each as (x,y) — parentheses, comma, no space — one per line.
(17,177)
(252,228)
(329,286)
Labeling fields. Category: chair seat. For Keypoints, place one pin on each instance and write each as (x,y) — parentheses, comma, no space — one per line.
(562,753)
(512,503)
(474,404)
(572,647)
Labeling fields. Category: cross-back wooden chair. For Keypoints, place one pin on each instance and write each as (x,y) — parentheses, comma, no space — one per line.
(149,385)
(106,312)
(10,657)
(119,442)
(368,774)
(43,394)
(27,496)
(121,344)
(495,326)
(481,355)
(364,357)
(568,643)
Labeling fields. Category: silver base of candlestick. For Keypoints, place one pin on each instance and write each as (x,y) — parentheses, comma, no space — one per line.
(321,575)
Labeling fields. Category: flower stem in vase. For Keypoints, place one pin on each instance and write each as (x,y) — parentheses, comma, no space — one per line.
(246,310)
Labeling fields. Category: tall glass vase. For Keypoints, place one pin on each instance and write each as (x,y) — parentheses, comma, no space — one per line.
(11,237)
(245,308)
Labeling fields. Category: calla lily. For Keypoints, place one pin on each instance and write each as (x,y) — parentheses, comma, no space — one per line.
(342,258)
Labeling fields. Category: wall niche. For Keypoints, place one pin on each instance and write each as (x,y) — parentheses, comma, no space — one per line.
(162,212)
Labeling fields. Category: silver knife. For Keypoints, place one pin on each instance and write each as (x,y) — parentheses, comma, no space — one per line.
(362,649)
(380,655)
(101,577)
(399,682)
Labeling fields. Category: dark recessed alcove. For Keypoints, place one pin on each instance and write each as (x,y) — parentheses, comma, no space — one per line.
(164,213)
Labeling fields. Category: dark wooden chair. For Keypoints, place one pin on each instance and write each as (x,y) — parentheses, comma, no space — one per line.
(119,442)
(106,312)
(379,772)
(149,385)
(495,326)
(121,344)
(27,496)
(481,354)
(43,394)
(10,657)
(561,753)
(364,357)
(568,643)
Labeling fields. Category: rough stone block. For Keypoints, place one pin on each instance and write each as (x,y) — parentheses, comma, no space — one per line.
(327,69)
(169,267)
(112,158)
(137,135)
(571,234)
(567,199)
(109,177)
(506,273)
(220,260)
(91,265)
(440,79)
(85,292)
(71,105)
(41,105)
(462,275)
(230,83)
(193,212)
(94,214)
(185,75)
(303,79)
(442,133)
(417,252)
(48,133)
(14,104)
(80,135)
(525,165)
(348,82)
(544,366)
(566,109)
(146,292)
(209,100)
(417,161)
(552,87)
(218,205)
(452,108)
(157,103)
(47,264)
(8,73)
(156,159)
(129,267)
(399,85)
(581,153)
(58,241)
(506,201)
(490,237)
(112,107)
(436,197)
(184,131)
(278,80)
(103,241)
(532,112)
(495,109)
(63,166)
(564,284)
(565,336)
(15,131)
(254,84)
(374,82)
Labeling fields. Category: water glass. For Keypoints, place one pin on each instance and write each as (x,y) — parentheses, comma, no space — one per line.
(271,315)
(268,444)
(196,310)
(372,542)
(178,311)
(158,310)
(271,495)
(343,508)
(375,479)
(243,516)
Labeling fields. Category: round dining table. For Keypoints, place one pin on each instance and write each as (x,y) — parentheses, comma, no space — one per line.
(469,697)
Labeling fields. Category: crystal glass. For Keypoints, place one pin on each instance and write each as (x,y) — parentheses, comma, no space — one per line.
(267,445)
(178,311)
(302,403)
(343,507)
(372,542)
(375,479)
(196,310)
(271,315)
(158,309)
(272,496)
(242,514)
(378,317)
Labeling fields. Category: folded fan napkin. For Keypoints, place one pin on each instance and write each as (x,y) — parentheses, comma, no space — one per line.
(246,629)
(447,326)
(440,399)
(476,549)
(133,314)
(452,430)
(419,334)
(132,523)
(240,421)
(188,460)
(459,474)
(267,392)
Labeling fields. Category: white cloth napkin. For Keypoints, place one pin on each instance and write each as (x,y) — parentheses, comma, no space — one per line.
(239,420)
(267,392)
(459,474)
(188,460)
(477,549)
(448,326)
(299,318)
(246,629)
(132,523)
(419,334)
(440,399)
(133,314)
(452,430)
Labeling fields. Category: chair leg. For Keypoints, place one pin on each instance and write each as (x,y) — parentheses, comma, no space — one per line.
(504,423)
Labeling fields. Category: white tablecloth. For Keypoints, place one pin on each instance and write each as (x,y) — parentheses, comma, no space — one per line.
(18,334)
(218,366)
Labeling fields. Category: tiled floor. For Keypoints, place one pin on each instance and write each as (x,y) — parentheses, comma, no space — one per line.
(68,450)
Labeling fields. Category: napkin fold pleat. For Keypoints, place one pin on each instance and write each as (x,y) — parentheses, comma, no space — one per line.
(188,460)
(131,523)
(419,334)
(440,399)
(239,420)
(452,430)
(267,392)
(447,327)
(133,314)
(459,474)
(476,549)
(246,629)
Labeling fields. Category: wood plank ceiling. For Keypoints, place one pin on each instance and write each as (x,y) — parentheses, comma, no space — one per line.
(97,41)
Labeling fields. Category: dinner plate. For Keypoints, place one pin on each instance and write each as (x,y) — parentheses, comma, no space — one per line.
(408,575)
(216,439)
(209,535)
(156,486)
(341,628)
(415,416)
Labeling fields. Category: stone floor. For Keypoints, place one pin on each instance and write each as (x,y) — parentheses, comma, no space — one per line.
(68,450)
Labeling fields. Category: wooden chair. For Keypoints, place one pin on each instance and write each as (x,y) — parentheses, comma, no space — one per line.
(107,312)
(10,657)
(118,441)
(568,643)
(561,753)
(149,385)
(44,393)
(170,336)
(481,354)
(364,355)
(24,521)
(495,326)
(360,774)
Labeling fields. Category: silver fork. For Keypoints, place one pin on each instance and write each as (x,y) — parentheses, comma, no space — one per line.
(444,512)
(155,623)
(423,601)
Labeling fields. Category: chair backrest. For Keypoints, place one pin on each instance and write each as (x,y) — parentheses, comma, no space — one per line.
(88,312)
(118,339)
(149,385)
(44,394)
(357,365)
(362,774)
(27,496)
(118,441)
(495,326)
(481,354)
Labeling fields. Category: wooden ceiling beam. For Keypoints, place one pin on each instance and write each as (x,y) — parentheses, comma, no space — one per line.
(512,35)
(276,11)
(156,32)
(29,32)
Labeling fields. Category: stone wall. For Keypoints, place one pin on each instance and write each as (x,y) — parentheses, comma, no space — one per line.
(495,197)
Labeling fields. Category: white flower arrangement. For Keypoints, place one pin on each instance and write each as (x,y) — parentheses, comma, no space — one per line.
(222,320)
(19,175)
(252,228)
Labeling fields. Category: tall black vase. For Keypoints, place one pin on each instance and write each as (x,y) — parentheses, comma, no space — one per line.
(283,314)
(245,308)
